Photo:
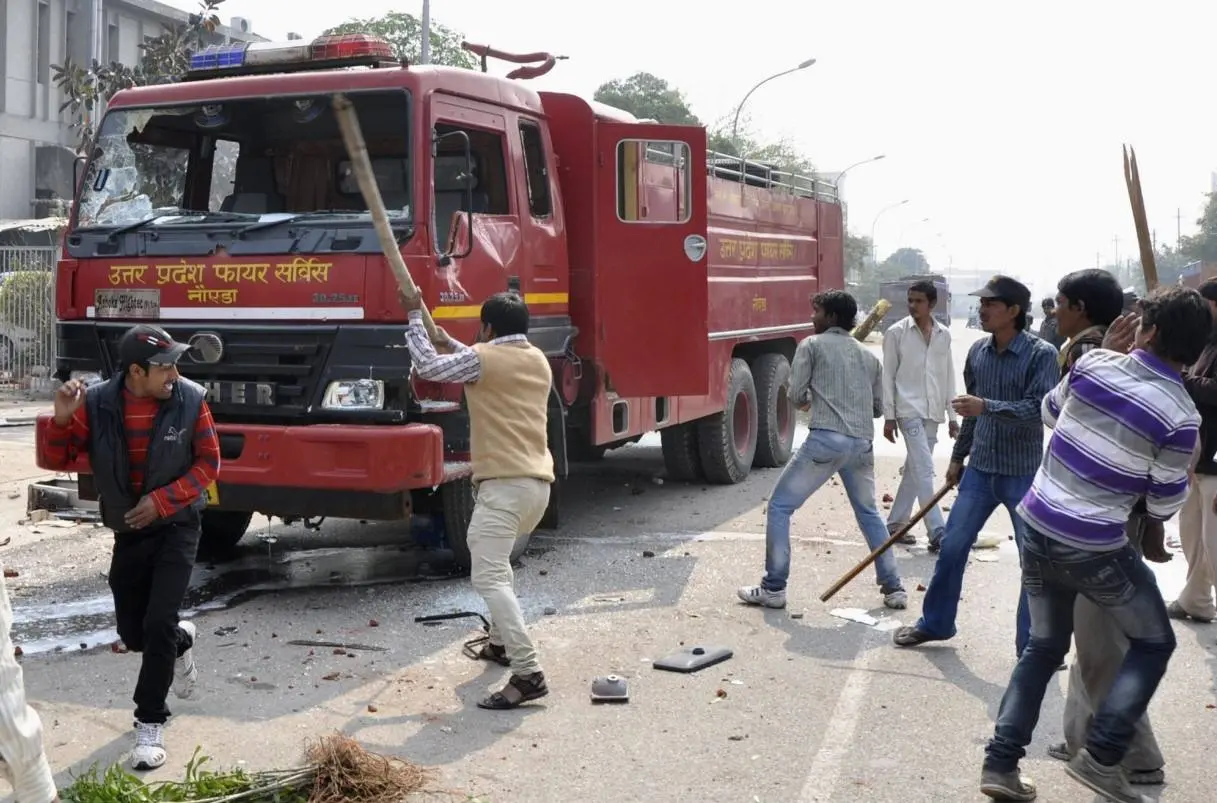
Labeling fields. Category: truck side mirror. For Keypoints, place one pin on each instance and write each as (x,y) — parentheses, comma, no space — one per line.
(449,250)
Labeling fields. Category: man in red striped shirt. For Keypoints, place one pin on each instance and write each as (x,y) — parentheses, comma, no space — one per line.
(153,451)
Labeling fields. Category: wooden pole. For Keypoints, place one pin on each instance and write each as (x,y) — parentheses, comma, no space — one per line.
(885,546)
(361,163)
(1132,178)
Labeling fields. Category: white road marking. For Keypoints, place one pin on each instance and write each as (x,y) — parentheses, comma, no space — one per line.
(829,760)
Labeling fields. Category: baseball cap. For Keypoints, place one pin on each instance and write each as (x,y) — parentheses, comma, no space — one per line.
(1012,291)
(149,344)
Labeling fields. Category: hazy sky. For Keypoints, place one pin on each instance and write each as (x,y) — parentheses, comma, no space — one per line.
(1001,123)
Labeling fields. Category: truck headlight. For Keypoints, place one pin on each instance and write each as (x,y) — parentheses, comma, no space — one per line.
(87,377)
(355,394)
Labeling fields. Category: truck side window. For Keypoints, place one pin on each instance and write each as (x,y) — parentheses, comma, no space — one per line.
(653,181)
(488,182)
(538,172)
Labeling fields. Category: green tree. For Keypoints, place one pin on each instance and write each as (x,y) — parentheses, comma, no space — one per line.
(857,256)
(405,33)
(1203,244)
(903,262)
(162,58)
(647,97)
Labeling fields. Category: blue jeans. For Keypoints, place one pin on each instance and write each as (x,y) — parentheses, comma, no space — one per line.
(1123,586)
(980,493)
(822,455)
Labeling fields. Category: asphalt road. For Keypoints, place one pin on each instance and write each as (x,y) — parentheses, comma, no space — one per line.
(811,707)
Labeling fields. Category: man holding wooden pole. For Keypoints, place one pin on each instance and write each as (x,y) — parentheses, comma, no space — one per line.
(1006,375)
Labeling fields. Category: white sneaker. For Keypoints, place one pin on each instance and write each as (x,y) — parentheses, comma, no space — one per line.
(185,673)
(149,752)
(897,599)
(758,595)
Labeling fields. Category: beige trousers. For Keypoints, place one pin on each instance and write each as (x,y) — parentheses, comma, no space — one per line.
(1198,536)
(504,510)
(1099,647)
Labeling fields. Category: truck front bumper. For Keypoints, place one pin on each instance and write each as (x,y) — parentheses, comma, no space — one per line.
(338,470)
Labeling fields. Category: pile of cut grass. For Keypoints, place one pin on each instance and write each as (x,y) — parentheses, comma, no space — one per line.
(337,769)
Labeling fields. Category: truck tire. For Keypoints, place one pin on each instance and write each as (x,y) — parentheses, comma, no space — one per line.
(775,412)
(222,530)
(727,440)
(456,499)
(456,506)
(680,454)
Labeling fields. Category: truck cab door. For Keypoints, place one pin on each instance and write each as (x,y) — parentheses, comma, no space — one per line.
(651,264)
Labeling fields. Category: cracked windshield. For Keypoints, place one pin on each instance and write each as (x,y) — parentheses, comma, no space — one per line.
(242,160)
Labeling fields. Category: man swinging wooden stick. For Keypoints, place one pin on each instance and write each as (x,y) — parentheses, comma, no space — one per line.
(507,382)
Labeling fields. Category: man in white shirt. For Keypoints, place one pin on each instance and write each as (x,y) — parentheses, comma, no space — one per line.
(918,384)
(23,761)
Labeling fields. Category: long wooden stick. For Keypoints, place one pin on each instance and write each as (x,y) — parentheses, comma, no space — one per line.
(361,163)
(1132,178)
(885,546)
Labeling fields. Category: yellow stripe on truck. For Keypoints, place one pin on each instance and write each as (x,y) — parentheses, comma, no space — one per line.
(475,310)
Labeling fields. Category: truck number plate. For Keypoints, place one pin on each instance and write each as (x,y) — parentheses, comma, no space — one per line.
(139,304)
(260,393)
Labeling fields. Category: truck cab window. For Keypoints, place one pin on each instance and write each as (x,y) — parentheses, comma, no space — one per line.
(653,181)
(273,154)
(488,181)
(537,171)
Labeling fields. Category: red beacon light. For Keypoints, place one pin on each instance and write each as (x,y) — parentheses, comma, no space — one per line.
(324,52)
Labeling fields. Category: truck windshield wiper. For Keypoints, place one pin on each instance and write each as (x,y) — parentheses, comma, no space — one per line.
(212,216)
(320,213)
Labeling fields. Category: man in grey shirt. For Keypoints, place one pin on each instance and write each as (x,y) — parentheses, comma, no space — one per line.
(841,383)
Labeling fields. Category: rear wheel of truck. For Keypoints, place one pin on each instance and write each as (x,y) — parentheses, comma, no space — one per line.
(727,440)
(457,502)
(222,530)
(775,411)
(681,457)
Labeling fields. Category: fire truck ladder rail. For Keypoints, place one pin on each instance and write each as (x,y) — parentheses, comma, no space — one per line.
(768,176)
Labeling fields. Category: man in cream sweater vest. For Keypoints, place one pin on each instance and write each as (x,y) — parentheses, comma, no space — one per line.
(507,382)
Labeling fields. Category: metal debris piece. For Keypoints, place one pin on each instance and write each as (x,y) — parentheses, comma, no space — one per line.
(692,658)
(344,645)
(610,689)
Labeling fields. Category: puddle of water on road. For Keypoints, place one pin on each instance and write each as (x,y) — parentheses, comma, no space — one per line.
(220,585)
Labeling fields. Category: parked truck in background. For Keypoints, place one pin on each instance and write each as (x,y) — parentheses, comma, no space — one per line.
(667,286)
(896,292)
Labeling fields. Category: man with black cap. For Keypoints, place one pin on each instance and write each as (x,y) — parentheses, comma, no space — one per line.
(1006,376)
(153,449)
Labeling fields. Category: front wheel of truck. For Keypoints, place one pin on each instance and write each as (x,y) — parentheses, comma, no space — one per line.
(457,502)
(222,530)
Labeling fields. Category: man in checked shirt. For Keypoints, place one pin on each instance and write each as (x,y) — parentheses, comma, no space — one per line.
(507,384)
(153,450)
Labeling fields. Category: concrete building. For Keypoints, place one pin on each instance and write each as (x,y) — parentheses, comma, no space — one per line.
(37,144)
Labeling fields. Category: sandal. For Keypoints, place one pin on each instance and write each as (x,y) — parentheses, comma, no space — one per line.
(519,690)
(911,637)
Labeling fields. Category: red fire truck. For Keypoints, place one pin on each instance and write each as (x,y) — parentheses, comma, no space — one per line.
(668,286)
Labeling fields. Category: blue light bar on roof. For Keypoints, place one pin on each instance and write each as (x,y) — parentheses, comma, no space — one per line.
(219,57)
(240,58)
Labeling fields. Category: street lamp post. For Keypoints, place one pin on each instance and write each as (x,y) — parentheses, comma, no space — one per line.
(885,209)
(424,51)
(735,123)
(841,175)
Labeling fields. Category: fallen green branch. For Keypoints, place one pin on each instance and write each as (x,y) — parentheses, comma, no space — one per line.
(338,769)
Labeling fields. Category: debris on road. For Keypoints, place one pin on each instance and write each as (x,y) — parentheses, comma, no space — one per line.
(338,644)
(987,541)
(854,615)
(692,658)
(610,689)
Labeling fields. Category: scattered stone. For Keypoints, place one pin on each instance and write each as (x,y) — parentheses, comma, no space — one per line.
(373,623)
(550,611)
(646,553)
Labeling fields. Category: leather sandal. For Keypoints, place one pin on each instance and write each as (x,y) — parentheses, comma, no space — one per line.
(519,690)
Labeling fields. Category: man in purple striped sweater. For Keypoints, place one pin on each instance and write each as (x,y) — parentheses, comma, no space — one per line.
(1124,427)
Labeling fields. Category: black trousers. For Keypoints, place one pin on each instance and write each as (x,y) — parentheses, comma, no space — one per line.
(149,575)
